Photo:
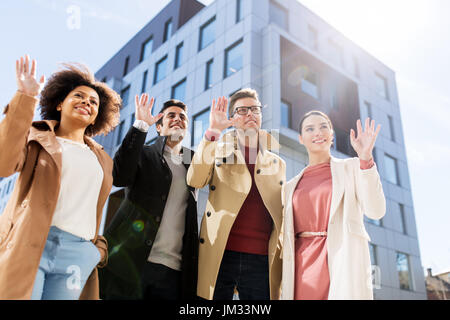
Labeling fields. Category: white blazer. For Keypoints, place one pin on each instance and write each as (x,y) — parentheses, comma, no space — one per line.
(354,192)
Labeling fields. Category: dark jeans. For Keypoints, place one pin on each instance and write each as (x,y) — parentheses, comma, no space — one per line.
(249,273)
(160,282)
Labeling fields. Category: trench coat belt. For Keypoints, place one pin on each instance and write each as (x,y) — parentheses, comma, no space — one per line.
(307,234)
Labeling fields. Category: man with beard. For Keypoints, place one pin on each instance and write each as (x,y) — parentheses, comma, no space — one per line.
(153,237)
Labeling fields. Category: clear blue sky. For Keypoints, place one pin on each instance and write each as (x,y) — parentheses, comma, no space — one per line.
(412,37)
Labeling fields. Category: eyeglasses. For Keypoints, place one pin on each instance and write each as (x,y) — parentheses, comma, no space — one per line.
(243,111)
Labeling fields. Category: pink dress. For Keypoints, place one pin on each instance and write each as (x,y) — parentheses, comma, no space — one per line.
(311,206)
(311,203)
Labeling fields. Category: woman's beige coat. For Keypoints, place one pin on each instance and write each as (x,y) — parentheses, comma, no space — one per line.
(354,192)
(222,165)
(32,150)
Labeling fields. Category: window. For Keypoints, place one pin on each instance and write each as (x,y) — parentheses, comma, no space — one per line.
(160,70)
(178,55)
(313,38)
(334,99)
(167,30)
(355,67)
(207,34)
(233,58)
(208,75)
(381,86)
(373,254)
(374,222)
(125,95)
(119,132)
(403,269)
(285,113)
(179,90)
(336,53)
(278,15)
(201,123)
(125,67)
(368,110)
(239,13)
(390,169)
(310,84)
(391,128)
(402,218)
(144,82)
(146,49)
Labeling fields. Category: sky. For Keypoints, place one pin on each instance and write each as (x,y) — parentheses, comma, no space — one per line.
(412,37)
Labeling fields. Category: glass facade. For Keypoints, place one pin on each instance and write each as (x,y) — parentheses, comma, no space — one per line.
(207,33)
(233,58)
(200,125)
(160,70)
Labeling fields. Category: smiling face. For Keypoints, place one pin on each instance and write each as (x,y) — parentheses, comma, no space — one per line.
(316,134)
(250,121)
(80,106)
(174,123)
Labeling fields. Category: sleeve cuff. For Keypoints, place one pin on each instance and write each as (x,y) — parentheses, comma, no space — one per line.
(141,125)
(366,164)
(212,135)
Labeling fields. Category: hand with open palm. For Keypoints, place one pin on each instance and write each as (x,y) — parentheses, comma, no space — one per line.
(26,77)
(218,118)
(144,109)
(363,144)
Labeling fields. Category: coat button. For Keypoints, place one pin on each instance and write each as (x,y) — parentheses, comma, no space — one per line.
(148,242)
(213,187)
(163,197)
(274,160)
(208,214)
(158,218)
(258,171)
(218,164)
(224,160)
(202,240)
(281,183)
(24,203)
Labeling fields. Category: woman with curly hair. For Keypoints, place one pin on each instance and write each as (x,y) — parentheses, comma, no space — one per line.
(49,242)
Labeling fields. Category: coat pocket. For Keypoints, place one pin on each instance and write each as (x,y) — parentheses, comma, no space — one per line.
(357,229)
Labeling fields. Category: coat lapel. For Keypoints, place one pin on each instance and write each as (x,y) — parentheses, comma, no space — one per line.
(338,187)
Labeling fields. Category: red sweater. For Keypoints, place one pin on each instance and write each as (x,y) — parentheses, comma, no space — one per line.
(253,225)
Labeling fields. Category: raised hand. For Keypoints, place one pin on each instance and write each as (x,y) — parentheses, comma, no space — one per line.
(218,118)
(144,109)
(26,77)
(364,143)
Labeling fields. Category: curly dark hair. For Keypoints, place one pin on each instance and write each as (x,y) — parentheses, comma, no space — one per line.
(73,75)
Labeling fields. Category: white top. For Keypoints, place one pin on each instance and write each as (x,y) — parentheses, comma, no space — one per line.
(168,243)
(81,180)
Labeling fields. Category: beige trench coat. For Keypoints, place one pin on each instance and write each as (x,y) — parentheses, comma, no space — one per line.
(222,165)
(34,151)
(354,192)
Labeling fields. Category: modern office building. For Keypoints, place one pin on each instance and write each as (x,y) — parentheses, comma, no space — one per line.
(296,62)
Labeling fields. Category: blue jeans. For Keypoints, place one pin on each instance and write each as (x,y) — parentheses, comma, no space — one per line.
(249,273)
(65,266)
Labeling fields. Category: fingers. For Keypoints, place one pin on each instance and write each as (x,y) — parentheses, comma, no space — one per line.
(42,80)
(359,127)
(352,135)
(27,60)
(33,68)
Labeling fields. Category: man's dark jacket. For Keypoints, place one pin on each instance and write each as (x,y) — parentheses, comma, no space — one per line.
(144,172)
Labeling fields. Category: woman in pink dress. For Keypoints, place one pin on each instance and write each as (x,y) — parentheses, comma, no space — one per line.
(325,245)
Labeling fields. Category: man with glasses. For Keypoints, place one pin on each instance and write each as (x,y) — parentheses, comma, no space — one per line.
(239,236)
